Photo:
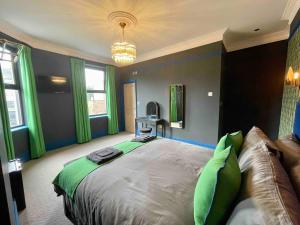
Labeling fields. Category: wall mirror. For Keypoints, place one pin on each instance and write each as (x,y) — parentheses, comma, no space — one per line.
(176,106)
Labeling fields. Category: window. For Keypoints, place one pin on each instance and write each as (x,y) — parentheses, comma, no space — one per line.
(95,86)
(12,90)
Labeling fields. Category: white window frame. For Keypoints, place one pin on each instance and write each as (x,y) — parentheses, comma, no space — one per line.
(89,66)
(17,87)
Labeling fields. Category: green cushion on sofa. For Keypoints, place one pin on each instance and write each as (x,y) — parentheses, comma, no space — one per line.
(217,188)
(224,142)
(235,139)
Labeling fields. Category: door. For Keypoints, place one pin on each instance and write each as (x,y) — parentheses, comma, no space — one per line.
(130,107)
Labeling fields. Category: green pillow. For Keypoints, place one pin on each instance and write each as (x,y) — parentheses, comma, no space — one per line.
(224,142)
(235,139)
(217,188)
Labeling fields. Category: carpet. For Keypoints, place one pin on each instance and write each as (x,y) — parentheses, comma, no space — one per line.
(43,206)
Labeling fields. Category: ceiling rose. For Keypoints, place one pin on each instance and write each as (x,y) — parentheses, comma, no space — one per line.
(123,52)
(118,17)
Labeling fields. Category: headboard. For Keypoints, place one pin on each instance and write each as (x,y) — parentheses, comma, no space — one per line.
(296,130)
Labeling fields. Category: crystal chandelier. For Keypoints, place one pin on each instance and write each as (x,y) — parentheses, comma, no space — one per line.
(123,52)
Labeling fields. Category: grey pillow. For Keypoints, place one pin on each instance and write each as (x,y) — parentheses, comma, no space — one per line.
(265,182)
(246,213)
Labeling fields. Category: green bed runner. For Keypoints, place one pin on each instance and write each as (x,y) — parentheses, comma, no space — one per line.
(74,172)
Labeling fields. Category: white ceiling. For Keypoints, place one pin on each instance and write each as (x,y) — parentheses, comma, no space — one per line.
(82,25)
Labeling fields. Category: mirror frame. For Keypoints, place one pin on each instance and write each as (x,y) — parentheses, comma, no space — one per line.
(183,107)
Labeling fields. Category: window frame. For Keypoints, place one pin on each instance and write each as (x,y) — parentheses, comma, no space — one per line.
(96,67)
(17,87)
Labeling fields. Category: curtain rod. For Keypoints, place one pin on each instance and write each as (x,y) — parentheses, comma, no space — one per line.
(10,43)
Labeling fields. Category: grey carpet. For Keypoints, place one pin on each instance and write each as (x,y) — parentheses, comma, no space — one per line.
(43,206)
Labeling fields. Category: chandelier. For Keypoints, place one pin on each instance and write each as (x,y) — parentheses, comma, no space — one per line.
(123,52)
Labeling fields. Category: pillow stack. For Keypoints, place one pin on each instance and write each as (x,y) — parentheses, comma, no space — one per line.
(235,139)
(219,182)
(266,194)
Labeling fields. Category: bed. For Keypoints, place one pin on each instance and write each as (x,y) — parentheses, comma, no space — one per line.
(152,185)
(155,184)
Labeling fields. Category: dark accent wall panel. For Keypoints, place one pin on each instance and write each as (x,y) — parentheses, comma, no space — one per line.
(21,143)
(253,87)
(199,69)
(99,126)
(56,109)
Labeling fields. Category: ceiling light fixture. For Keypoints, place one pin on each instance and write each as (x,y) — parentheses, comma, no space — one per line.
(122,51)
(292,77)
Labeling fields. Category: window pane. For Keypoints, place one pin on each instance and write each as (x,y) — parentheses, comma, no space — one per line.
(96,103)
(7,72)
(4,55)
(14,107)
(94,79)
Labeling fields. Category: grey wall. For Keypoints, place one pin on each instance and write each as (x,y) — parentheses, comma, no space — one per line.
(199,69)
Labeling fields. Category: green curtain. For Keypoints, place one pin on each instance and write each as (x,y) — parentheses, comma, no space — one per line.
(111,100)
(83,127)
(173,103)
(36,138)
(5,121)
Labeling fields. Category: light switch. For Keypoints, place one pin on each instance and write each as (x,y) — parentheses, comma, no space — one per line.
(210,93)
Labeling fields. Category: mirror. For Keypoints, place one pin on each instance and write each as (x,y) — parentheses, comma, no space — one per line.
(176,105)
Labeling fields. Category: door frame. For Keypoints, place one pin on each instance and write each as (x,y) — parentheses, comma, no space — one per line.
(123,102)
(8,213)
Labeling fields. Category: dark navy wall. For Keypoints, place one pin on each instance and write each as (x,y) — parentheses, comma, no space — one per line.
(199,69)
(56,109)
(99,126)
(21,143)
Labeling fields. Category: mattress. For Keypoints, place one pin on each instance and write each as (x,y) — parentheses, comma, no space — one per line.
(152,185)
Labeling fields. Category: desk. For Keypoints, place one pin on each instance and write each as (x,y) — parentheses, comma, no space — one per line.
(151,122)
